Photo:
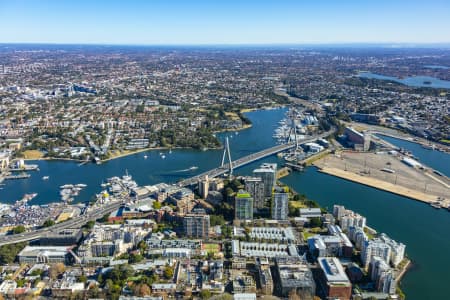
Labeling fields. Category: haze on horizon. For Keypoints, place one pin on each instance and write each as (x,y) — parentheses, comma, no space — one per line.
(203,22)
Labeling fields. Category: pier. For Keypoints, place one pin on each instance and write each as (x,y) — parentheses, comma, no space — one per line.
(20,176)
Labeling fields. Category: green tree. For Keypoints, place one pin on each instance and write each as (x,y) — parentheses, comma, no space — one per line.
(135,258)
(216,220)
(89,225)
(168,272)
(142,246)
(9,252)
(205,294)
(48,223)
(315,222)
(18,229)
(156,204)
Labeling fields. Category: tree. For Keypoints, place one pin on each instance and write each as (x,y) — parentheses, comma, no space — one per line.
(141,290)
(48,223)
(55,270)
(216,220)
(156,205)
(205,294)
(18,229)
(168,272)
(135,258)
(82,278)
(89,225)
(9,252)
(142,246)
(315,222)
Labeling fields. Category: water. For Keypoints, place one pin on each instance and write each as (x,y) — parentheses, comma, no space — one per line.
(435,159)
(437,67)
(415,81)
(423,229)
(148,171)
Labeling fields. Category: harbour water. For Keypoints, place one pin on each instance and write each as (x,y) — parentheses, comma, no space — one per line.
(415,81)
(423,229)
(437,160)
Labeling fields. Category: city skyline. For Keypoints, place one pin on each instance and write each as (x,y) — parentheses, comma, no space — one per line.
(230,23)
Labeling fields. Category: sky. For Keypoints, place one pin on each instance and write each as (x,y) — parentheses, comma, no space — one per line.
(187,22)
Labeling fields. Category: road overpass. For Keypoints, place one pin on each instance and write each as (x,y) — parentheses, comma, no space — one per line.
(72,223)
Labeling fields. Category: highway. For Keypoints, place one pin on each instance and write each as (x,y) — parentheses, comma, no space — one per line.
(108,208)
(72,223)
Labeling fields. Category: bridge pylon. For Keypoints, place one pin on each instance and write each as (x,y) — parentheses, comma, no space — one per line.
(227,153)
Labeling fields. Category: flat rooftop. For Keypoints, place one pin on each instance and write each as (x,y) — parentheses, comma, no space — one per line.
(333,270)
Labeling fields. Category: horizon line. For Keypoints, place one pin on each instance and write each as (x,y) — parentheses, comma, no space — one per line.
(379,44)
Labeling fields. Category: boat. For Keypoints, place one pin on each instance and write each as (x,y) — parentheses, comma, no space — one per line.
(29,197)
(436,204)
(66,186)
(193,168)
(427,82)
(163,156)
(429,147)
(45,177)
(145,156)
(81,185)
(438,173)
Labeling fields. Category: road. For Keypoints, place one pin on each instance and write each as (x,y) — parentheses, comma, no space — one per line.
(249,159)
(72,223)
(108,208)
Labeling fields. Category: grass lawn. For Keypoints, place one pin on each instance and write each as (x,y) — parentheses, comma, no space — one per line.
(297,204)
(33,154)
(213,248)
(307,234)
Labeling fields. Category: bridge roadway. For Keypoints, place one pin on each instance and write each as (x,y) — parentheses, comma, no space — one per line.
(96,214)
(248,159)
(72,223)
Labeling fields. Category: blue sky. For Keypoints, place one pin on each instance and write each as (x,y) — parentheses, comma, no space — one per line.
(224,22)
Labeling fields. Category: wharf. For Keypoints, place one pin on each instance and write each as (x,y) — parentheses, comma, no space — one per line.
(380,184)
(20,176)
(25,168)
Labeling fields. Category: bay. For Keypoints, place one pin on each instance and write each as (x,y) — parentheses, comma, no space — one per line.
(415,81)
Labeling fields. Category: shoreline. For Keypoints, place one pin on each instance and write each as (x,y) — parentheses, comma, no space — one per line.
(379,184)
(246,126)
